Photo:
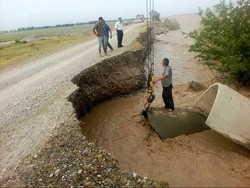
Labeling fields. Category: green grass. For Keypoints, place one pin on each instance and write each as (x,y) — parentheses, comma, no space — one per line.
(20,35)
(56,39)
(19,53)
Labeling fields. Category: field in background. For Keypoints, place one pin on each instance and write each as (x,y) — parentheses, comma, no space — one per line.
(21,35)
(40,42)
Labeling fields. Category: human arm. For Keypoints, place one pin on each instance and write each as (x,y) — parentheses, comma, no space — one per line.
(116,26)
(94,30)
(165,74)
(156,79)
(110,32)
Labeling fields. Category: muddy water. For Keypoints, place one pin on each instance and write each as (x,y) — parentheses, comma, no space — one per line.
(200,159)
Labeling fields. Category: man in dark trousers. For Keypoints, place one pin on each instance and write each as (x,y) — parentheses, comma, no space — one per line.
(107,32)
(166,81)
(119,30)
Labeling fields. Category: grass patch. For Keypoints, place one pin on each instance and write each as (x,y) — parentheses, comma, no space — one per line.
(20,52)
(43,42)
(21,35)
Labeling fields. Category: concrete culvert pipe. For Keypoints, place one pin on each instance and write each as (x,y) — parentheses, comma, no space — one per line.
(227,111)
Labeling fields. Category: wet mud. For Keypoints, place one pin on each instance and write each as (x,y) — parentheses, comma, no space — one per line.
(200,159)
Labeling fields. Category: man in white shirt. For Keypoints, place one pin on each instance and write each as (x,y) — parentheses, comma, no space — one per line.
(119,31)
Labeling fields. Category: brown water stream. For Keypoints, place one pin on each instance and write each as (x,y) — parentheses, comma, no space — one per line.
(200,159)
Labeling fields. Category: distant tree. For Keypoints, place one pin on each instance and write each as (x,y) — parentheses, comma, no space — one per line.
(155,15)
(223,42)
(171,24)
(21,29)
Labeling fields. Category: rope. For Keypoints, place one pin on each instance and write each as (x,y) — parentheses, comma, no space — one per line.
(150,56)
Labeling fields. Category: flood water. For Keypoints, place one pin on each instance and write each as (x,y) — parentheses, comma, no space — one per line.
(118,127)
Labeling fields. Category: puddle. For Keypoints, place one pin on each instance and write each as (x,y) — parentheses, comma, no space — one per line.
(118,127)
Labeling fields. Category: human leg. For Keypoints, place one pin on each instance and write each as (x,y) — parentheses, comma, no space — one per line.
(119,37)
(105,44)
(100,42)
(109,46)
(164,97)
(168,97)
(171,100)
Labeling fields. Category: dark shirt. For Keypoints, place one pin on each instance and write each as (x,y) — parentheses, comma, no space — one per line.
(99,29)
(106,29)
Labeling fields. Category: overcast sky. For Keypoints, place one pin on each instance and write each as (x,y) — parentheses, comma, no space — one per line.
(25,13)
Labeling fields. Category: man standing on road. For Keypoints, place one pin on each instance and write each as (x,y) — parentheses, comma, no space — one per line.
(119,31)
(98,31)
(107,31)
(166,81)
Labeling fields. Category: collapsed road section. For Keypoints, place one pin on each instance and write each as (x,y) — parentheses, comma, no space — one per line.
(113,77)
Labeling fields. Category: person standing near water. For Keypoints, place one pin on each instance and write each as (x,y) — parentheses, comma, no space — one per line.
(166,81)
(119,31)
(98,31)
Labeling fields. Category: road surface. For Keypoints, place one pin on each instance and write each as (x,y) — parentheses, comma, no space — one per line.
(33,97)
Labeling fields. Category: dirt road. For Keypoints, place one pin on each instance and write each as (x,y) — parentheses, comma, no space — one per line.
(33,97)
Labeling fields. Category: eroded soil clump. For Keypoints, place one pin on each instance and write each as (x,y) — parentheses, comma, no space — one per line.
(113,77)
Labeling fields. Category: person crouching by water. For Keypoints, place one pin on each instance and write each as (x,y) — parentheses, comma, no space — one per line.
(119,31)
(107,32)
(98,31)
(166,81)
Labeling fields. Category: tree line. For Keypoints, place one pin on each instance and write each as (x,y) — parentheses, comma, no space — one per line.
(45,27)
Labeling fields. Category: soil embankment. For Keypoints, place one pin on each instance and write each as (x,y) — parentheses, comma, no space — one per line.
(112,77)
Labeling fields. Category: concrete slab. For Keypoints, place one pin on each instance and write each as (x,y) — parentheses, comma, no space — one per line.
(172,124)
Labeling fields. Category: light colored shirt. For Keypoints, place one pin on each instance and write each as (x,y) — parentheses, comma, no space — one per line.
(168,80)
(118,25)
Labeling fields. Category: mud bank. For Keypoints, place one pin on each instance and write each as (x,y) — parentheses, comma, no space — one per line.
(204,159)
(113,77)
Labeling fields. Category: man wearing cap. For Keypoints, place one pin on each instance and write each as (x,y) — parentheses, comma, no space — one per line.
(98,31)
(119,31)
